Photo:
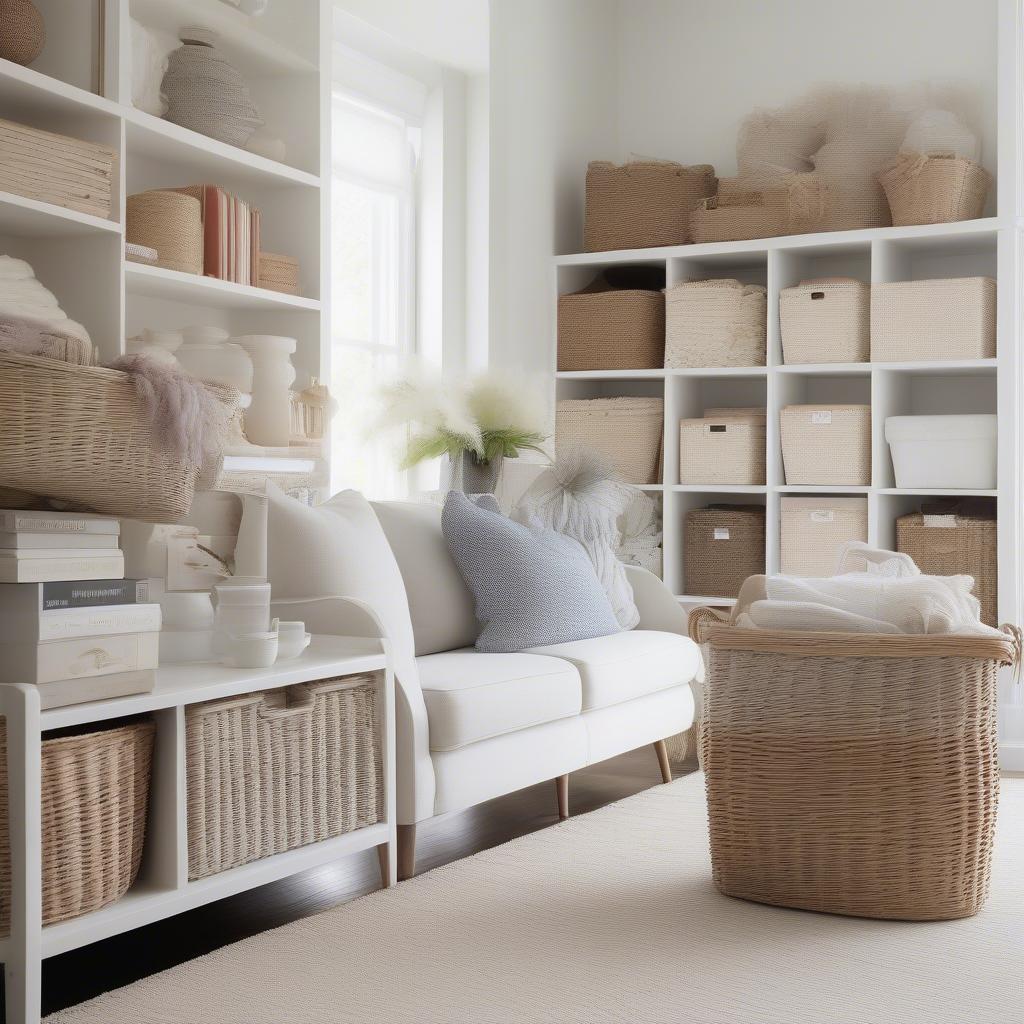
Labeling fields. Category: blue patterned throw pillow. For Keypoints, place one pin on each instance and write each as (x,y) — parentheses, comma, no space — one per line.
(532,586)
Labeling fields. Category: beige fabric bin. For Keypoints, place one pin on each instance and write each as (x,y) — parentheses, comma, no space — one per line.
(814,529)
(722,546)
(952,318)
(720,322)
(723,449)
(826,321)
(827,444)
(627,431)
(643,204)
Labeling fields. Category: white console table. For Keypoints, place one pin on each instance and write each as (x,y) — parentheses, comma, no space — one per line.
(163,887)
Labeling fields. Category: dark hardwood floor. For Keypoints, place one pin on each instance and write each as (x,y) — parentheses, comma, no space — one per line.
(83,973)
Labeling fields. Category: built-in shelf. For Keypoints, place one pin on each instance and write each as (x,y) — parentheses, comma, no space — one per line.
(719,488)
(29,218)
(30,95)
(945,492)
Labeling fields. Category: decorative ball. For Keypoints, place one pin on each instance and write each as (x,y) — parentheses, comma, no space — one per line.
(24,32)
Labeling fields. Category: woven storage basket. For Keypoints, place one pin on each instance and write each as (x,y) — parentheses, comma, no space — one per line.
(616,323)
(24,33)
(272,771)
(852,773)
(934,189)
(814,529)
(723,449)
(722,546)
(643,203)
(95,792)
(955,541)
(827,444)
(57,169)
(78,433)
(715,323)
(826,321)
(279,273)
(740,216)
(626,431)
(953,318)
(171,223)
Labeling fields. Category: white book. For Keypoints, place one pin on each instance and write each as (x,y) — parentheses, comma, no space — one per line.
(58,541)
(15,521)
(46,570)
(63,692)
(21,554)
(78,658)
(24,623)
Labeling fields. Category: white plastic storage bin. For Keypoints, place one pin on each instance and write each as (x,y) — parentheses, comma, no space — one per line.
(724,447)
(935,320)
(827,444)
(814,529)
(955,452)
(825,321)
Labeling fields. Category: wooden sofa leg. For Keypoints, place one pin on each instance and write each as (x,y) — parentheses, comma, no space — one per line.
(562,792)
(406,852)
(663,762)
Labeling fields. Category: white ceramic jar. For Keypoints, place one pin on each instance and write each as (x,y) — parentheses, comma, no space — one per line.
(243,606)
(208,356)
(268,419)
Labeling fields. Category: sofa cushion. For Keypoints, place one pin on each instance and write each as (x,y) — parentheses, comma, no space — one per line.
(627,665)
(440,603)
(472,696)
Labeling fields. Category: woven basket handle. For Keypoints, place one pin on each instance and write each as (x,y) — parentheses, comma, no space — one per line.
(702,619)
(302,707)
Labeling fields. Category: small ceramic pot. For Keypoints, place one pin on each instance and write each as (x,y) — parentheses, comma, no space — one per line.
(252,650)
(292,639)
(243,607)
(208,356)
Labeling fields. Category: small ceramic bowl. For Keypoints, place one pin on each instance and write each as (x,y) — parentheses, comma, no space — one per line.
(292,642)
(251,650)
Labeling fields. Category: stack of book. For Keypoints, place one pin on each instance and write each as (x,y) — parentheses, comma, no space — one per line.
(70,623)
(231,235)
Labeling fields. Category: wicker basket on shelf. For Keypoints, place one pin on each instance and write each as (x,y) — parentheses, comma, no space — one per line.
(826,444)
(741,216)
(626,430)
(95,792)
(723,545)
(79,434)
(853,774)
(169,222)
(826,321)
(279,273)
(937,188)
(719,322)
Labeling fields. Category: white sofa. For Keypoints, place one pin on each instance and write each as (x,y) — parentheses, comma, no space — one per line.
(472,726)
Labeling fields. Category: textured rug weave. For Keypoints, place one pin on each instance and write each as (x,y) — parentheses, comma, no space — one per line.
(609,917)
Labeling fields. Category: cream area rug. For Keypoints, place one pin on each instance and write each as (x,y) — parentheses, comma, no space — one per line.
(608,917)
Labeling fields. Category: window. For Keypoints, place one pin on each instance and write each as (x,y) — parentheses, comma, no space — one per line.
(373,159)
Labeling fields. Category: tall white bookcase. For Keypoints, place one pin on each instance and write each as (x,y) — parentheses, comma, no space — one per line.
(993,246)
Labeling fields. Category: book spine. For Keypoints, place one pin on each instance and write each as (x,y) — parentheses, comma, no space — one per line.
(32,554)
(41,522)
(104,620)
(10,541)
(92,593)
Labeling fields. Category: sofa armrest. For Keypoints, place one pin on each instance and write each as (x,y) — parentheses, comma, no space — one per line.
(658,608)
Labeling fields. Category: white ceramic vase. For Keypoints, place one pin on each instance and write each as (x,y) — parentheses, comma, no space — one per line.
(160,345)
(208,356)
(268,419)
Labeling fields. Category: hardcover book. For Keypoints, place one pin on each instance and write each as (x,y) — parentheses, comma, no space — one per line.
(45,570)
(40,597)
(57,540)
(15,521)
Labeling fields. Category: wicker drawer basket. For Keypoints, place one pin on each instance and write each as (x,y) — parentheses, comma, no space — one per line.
(826,321)
(955,540)
(56,169)
(723,449)
(853,774)
(268,772)
(715,323)
(95,793)
(827,444)
(626,431)
(939,319)
(934,189)
(814,529)
(616,323)
(722,546)
(643,203)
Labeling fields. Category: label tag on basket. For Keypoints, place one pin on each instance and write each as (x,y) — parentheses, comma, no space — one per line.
(721,533)
(946,522)
(821,416)
(823,515)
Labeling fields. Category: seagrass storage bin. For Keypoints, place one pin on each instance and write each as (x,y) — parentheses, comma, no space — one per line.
(827,444)
(953,318)
(935,189)
(720,322)
(272,771)
(57,169)
(853,774)
(814,529)
(826,321)
(95,794)
(952,541)
(169,222)
(80,434)
(722,546)
(627,431)
(733,218)
(279,273)
(723,449)
(616,323)
(642,204)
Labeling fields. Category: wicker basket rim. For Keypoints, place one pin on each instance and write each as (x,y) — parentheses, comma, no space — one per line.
(943,283)
(100,735)
(662,165)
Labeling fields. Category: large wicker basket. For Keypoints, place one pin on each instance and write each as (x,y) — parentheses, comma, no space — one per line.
(642,204)
(934,189)
(852,773)
(272,771)
(826,444)
(719,449)
(722,546)
(78,433)
(720,322)
(627,431)
(95,792)
(170,222)
(826,321)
